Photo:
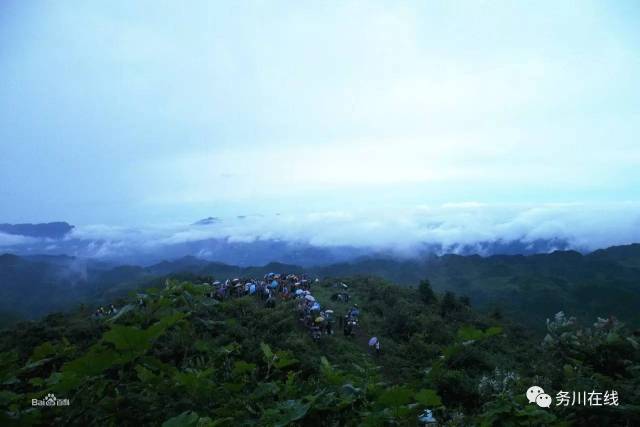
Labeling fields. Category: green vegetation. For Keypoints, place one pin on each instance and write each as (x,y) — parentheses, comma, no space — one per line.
(184,359)
(527,288)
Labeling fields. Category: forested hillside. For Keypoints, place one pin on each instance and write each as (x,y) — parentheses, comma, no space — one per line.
(527,288)
(177,357)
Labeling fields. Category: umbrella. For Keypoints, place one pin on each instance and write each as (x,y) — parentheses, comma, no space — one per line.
(373,341)
(427,417)
(315,306)
(319,319)
(329,311)
(344,286)
(216,283)
(309,298)
(238,285)
(299,292)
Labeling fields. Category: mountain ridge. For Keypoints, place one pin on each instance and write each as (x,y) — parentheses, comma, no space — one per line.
(598,284)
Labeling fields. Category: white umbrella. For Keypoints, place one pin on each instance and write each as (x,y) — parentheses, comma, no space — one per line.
(309,298)
(373,341)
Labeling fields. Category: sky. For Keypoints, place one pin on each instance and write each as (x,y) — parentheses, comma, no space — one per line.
(152,112)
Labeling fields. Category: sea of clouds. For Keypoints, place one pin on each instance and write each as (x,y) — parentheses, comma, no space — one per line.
(447,228)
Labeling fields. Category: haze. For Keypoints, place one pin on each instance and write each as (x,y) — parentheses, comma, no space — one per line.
(138,113)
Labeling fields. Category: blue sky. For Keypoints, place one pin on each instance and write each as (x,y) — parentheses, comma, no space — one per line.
(146,112)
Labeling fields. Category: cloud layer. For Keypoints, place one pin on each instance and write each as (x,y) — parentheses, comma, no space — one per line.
(448,228)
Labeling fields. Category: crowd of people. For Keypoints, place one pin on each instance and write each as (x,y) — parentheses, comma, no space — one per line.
(284,287)
(270,288)
(102,312)
(277,286)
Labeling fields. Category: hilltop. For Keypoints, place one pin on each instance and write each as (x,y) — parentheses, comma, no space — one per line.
(186,359)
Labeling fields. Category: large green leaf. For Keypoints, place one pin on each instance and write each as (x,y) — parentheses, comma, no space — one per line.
(266,351)
(428,398)
(43,350)
(395,396)
(285,413)
(469,333)
(284,359)
(492,331)
(185,419)
(95,361)
(135,340)
(130,338)
(332,376)
(241,367)
(145,375)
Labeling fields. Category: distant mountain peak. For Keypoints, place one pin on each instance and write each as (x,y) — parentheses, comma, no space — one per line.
(51,230)
(208,221)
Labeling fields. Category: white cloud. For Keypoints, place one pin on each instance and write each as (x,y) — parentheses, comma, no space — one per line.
(14,240)
(583,226)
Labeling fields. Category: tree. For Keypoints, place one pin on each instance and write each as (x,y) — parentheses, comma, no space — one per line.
(465,300)
(449,303)
(426,292)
